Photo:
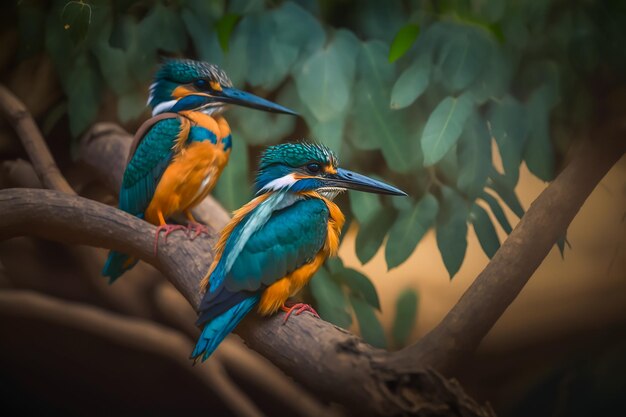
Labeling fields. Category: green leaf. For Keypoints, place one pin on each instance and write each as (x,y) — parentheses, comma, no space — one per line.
(403,41)
(474,156)
(224,27)
(486,233)
(497,211)
(372,233)
(113,63)
(406,316)
(506,192)
(462,56)
(369,325)
(539,152)
(452,229)
(83,95)
(204,39)
(408,230)
(561,242)
(331,301)
(75,19)
(509,127)
(444,127)
(364,206)
(359,285)
(494,79)
(131,105)
(233,188)
(411,83)
(163,29)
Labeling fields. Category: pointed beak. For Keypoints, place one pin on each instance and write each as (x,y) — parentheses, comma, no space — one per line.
(351,180)
(241,98)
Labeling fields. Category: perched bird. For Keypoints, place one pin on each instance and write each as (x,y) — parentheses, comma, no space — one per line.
(179,154)
(275,243)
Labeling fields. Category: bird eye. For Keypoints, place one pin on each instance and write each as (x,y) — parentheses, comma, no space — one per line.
(313,168)
(200,83)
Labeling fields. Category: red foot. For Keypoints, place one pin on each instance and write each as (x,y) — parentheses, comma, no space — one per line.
(167,228)
(197,229)
(299,308)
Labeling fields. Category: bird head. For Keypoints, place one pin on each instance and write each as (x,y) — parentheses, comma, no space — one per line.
(184,84)
(300,167)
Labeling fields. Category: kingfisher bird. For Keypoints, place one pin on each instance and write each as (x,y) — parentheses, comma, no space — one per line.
(275,243)
(179,154)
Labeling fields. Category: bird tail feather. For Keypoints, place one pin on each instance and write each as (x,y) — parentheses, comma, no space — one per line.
(117,263)
(219,327)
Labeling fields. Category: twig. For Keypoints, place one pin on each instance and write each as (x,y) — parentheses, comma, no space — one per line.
(33,142)
(134,333)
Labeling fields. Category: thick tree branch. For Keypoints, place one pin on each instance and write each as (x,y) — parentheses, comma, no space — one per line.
(461,331)
(33,142)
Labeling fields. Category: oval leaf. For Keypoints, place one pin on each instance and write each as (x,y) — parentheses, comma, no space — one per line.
(369,325)
(406,316)
(486,233)
(359,285)
(403,41)
(224,27)
(372,234)
(444,127)
(452,230)
(331,301)
(497,211)
(409,229)
(411,84)
(474,156)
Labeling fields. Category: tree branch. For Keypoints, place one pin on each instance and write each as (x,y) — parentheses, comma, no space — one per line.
(462,329)
(33,142)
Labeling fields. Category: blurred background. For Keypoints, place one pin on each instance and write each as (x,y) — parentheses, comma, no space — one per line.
(469,105)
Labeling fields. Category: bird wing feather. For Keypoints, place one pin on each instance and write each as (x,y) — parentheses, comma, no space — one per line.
(147,165)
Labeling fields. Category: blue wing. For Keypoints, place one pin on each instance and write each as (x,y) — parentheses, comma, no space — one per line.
(290,238)
(147,165)
(143,173)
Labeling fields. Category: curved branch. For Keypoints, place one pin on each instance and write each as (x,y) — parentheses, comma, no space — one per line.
(137,334)
(462,329)
(33,142)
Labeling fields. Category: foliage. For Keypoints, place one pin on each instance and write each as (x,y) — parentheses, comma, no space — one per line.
(414,92)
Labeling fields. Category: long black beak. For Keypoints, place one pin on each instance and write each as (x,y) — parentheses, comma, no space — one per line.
(241,98)
(351,180)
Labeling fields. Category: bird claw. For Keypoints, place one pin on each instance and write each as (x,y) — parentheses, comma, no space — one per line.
(167,229)
(197,229)
(299,308)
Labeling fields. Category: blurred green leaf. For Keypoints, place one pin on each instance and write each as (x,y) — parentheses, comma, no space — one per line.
(163,29)
(408,230)
(245,6)
(83,95)
(131,105)
(561,242)
(202,35)
(406,316)
(506,192)
(411,83)
(364,206)
(509,127)
(486,233)
(359,285)
(113,63)
(494,79)
(444,127)
(233,188)
(474,156)
(539,152)
(497,211)
(452,229)
(224,27)
(372,233)
(331,301)
(369,325)
(463,56)
(75,19)
(403,41)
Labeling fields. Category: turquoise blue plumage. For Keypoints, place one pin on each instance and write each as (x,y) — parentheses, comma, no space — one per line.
(286,240)
(151,158)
